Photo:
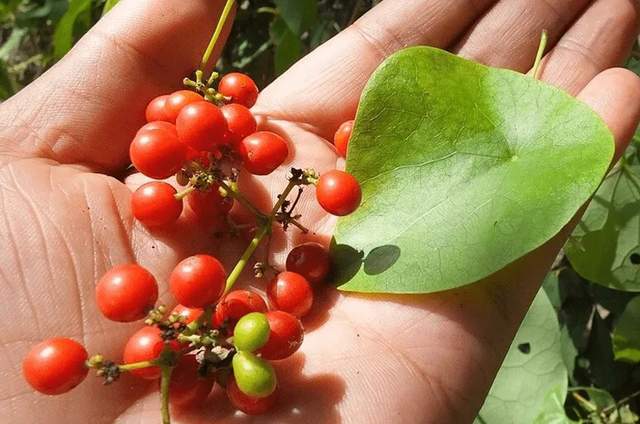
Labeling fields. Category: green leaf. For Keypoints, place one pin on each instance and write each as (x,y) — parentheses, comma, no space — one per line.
(7,85)
(553,408)
(605,371)
(626,333)
(464,169)
(12,43)
(108,5)
(288,47)
(524,380)
(299,15)
(63,35)
(605,246)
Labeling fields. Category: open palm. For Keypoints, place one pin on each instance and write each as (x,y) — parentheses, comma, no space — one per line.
(66,217)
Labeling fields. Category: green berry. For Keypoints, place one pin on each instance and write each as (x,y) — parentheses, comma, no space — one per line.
(251,332)
(255,377)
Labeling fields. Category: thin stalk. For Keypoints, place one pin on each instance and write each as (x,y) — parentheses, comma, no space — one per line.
(584,402)
(182,194)
(263,230)
(216,34)
(240,198)
(244,259)
(136,366)
(541,49)
(165,379)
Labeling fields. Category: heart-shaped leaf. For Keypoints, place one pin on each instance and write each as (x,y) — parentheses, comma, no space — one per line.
(532,368)
(605,246)
(626,334)
(464,169)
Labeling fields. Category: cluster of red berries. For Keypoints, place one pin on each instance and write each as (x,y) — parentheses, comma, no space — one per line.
(232,343)
(203,138)
(191,136)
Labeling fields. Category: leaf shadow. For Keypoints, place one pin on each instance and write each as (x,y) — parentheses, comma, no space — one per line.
(347,261)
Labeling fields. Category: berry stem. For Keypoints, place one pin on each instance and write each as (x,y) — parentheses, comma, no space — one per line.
(184,193)
(244,259)
(541,48)
(135,366)
(216,34)
(299,225)
(264,229)
(241,199)
(165,379)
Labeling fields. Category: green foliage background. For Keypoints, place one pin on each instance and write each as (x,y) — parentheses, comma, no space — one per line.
(593,291)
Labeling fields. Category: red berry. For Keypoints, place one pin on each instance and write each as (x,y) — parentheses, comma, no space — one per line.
(146,345)
(201,126)
(240,88)
(262,152)
(158,125)
(157,153)
(240,122)
(154,204)
(188,314)
(311,260)
(55,366)
(198,281)
(290,292)
(285,338)
(126,293)
(247,404)
(235,305)
(156,109)
(187,388)
(341,138)
(209,204)
(178,100)
(338,192)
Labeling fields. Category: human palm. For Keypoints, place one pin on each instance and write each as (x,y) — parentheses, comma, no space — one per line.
(66,216)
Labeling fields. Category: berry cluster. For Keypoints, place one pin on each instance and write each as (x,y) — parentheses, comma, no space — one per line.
(210,336)
(205,138)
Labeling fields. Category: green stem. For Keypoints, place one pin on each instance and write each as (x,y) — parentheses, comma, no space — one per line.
(182,194)
(584,402)
(165,379)
(541,48)
(216,34)
(136,366)
(241,199)
(244,259)
(263,230)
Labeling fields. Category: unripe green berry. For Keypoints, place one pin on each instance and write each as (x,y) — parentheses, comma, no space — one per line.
(251,332)
(255,377)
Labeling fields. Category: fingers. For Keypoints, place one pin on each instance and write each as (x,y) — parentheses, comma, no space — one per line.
(323,89)
(601,38)
(87,108)
(615,95)
(508,35)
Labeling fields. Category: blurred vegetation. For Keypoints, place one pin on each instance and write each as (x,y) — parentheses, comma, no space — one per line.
(601,340)
(267,37)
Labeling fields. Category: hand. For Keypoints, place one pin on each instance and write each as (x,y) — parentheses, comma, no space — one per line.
(374,359)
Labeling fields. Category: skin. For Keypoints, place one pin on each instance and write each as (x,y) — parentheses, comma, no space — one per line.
(66,217)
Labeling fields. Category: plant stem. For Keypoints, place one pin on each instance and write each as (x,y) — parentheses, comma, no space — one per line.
(165,379)
(299,225)
(216,34)
(182,194)
(241,199)
(541,48)
(264,229)
(242,262)
(136,366)
(584,402)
